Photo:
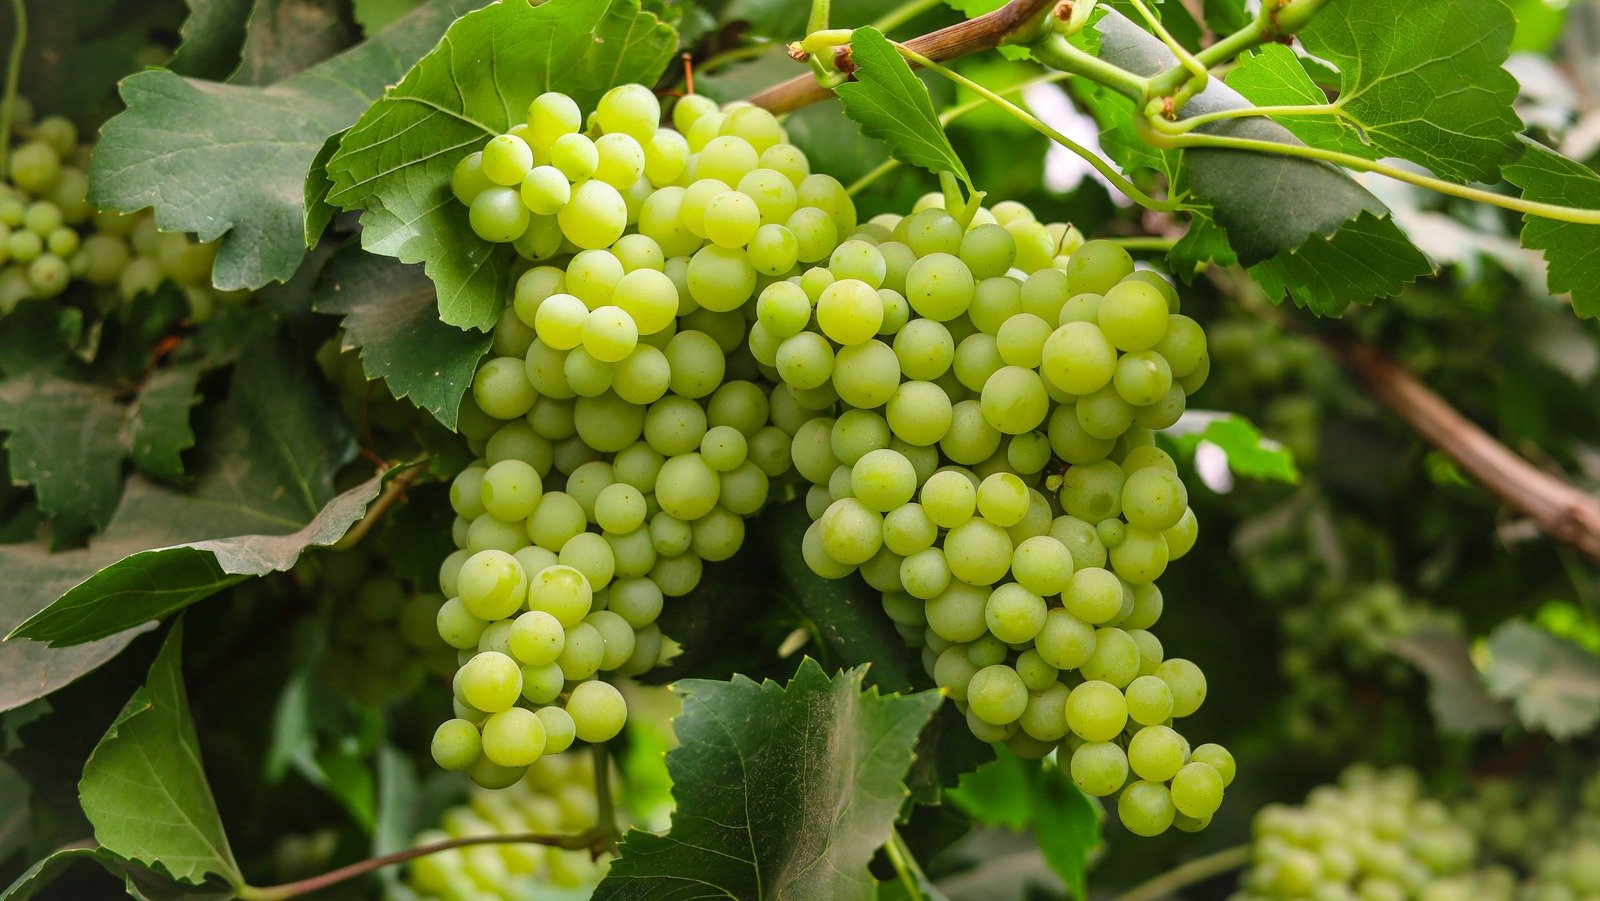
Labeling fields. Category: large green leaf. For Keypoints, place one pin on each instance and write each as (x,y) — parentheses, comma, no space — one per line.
(64,440)
(144,789)
(1571,250)
(1269,206)
(212,36)
(1553,684)
(158,422)
(1422,79)
(1032,794)
(891,104)
(782,790)
(395,163)
(1274,76)
(391,314)
(263,492)
(1456,694)
(229,162)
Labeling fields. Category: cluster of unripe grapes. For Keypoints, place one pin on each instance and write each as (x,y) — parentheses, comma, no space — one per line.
(51,235)
(983,452)
(1374,836)
(971,399)
(382,644)
(555,797)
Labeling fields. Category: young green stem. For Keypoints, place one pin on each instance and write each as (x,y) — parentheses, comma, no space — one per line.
(1198,870)
(1190,123)
(1021,115)
(818,20)
(917,883)
(361,868)
(1057,52)
(1177,78)
(8,106)
(950,115)
(606,822)
(1143,242)
(1516,204)
(1185,58)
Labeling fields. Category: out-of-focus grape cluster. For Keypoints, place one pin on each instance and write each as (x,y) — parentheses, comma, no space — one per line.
(381,640)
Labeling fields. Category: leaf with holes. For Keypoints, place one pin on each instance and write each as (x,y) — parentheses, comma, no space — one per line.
(395,163)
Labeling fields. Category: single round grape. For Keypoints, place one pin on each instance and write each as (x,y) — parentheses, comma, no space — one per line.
(551,115)
(1156,753)
(1099,768)
(591,555)
(490,682)
(497,214)
(971,439)
(1014,614)
(1141,557)
(1104,414)
(619,161)
(1042,564)
(492,585)
(1187,682)
(582,654)
(909,529)
(1149,700)
(1145,808)
(721,278)
(978,551)
(727,158)
(773,193)
(598,711)
(850,311)
(957,613)
(609,334)
(629,109)
(1098,266)
(988,250)
(1133,315)
(949,498)
(1154,499)
(595,216)
(1142,378)
(866,375)
(559,729)
(1003,499)
(1218,758)
(805,360)
(1197,790)
(456,745)
(1097,711)
(35,167)
(1093,492)
(513,737)
(1014,400)
(996,695)
(536,638)
(561,591)
(687,487)
(510,490)
(1078,359)
(939,286)
(925,349)
(506,160)
(620,508)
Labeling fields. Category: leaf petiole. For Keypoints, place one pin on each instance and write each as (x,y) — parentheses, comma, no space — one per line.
(1558,212)
(1186,125)
(1056,52)
(1093,159)
(8,107)
(1200,74)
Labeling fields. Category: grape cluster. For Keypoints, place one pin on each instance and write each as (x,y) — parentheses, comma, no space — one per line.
(1548,834)
(381,639)
(624,437)
(555,797)
(1371,836)
(982,451)
(51,235)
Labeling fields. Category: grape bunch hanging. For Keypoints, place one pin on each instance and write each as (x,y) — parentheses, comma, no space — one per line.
(965,398)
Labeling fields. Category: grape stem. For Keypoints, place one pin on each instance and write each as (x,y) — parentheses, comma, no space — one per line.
(1021,115)
(8,107)
(910,872)
(591,840)
(606,818)
(982,33)
(392,493)
(1198,870)
(1143,242)
(904,13)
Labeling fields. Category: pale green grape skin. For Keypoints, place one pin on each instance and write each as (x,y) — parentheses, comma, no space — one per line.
(513,738)
(849,311)
(561,591)
(1154,499)
(1188,685)
(978,551)
(996,695)
(506,160)
(1097,711)
(492,585)
(459,628)
(957,613)
(1197,790)
(1078,358)
(1098,266)
(939,286)
(1042,564)
(1014,614)
(1093,595)
(598,711)
(1145,808)
(988,250)
(1149,701)
(490,682)
(1099,768)
(536,638)
(1218,758)
(498,214)
(731,219)
(1003,499)
(773,250)
(456,745)
(595,216)
(1157,753)
(1133,316)
(1014,400)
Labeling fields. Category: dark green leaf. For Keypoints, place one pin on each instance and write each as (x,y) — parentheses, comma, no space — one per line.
(1553,683)
(1422,79)
(755,763)
(1368,257)
(285,37)
(64,439)
(1249,454)
(144,788)
(1032,794)
(395,163)
(847,614)
(1571,250)
(158,422)
(212,36)
(41,874)
(1455,691)
(183,143)
(37,335)
(391,315)
(1273,76)
(319,212)
(946,751)
(889,103)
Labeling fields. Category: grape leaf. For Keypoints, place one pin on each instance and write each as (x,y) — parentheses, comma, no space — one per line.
(46,414)
(1456,695)
(211,38)
(946,750)
(144,789)
(891,104)
(1269,205)
(846,613)
(319,212)
(391,313)
(1422,79)
(1274,76)
(395,163)
(1249,454)
(782,790)
(285,37)
(184,146)
(1022,794)
(1369,256)
(1571,250)
(267,464)
(158,422)
(140,882)
(1553,683)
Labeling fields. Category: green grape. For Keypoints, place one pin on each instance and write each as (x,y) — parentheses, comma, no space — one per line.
(866,375)
(1104,414)
(773,250)
(456,745)
(551,115)
(727,158)
(970,439)
(1141,557)
(723,448)
(1003,499)
(536,638)
(1149,701)
(939,286)
(1157,753)
(1197,790)
(1145,808)
(909,529)
(698,364)
(721,278)
(619,161)
(506,160)
(1188,685)
(35,167)
(731,219)
(925,349)
(1014,400)
(1099,768)
(1078,358)
(957,613)
(1133,315)
(996,695)
(850,311)
(949,498)
(919,413)
(1020,340)
(1093,491)
(773,193)
(1098,266)
(805,360)
(978,551)
(591,555)
(755,125)
(1183,345)
(490,682)
(492,585)
(598,711)
(1218,758)
(1154,499)
(595,216)
(498,214)
(1096,711)
(1014,614)
(925,574)
(582,654)
(513,738)
(815,233)
(510,490)
(687,487)
(559,729)
(995,302)
(883,480)
(1093,595)
(988,250)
